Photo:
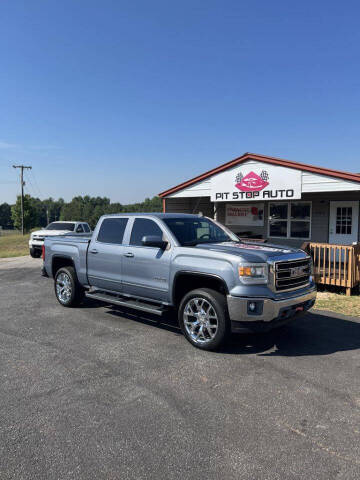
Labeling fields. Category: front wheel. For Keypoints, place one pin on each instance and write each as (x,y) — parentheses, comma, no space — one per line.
(34,253)
(68,290)
(203,318)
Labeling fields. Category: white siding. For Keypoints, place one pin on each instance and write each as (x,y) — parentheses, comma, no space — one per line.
(312,182)
(200,189)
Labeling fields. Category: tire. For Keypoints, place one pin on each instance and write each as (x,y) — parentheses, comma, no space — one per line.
(34,253)
(211,308)
(68,290)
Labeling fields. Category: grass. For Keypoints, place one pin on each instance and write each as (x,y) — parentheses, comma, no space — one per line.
(338,303)
(14,245)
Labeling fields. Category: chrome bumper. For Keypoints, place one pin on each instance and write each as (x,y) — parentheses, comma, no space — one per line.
(272,309)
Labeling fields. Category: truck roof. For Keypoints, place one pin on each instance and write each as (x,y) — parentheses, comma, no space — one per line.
(153,214)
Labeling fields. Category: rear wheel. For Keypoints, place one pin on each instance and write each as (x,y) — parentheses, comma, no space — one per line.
(68,290)
(203,318)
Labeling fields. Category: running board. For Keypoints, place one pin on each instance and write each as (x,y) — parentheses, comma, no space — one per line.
(144,307)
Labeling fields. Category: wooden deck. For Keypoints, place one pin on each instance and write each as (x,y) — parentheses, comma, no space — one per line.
(335,264)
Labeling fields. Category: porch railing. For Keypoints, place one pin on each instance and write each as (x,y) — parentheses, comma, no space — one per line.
(335,264)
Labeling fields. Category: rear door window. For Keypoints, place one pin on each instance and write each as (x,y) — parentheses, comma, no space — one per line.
(112,230)
(143,227)
(86,228)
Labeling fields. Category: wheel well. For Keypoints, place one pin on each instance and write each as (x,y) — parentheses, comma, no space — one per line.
(185,282)
(59,262)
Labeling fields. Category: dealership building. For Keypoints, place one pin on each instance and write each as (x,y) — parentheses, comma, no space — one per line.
(277,200)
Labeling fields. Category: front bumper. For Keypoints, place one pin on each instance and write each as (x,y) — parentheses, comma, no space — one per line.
(36,244)
(273,313)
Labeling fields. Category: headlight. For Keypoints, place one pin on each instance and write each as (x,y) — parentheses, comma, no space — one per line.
(253,272)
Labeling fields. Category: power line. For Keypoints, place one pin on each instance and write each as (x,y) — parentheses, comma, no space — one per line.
(36,183)
(31,184)
(22,168)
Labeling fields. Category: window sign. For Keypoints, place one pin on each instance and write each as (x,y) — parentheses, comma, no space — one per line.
(252,214)
(256,182)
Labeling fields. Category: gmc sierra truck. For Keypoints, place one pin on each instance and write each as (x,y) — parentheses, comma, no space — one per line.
(153,262)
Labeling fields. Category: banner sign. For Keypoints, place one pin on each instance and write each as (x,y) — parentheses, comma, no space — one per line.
(252,182)
(252,215)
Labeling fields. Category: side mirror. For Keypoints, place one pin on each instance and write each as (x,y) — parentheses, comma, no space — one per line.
(154,241)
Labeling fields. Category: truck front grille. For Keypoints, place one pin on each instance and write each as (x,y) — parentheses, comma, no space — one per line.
(292,274)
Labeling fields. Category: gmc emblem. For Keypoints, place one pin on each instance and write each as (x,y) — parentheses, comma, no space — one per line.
(297,271)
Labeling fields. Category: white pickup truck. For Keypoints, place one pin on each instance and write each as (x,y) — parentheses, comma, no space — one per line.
(36,240)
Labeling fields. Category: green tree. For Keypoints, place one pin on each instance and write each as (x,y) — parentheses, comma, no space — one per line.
(148,205)
(30,213)
(5,216)
(52,209)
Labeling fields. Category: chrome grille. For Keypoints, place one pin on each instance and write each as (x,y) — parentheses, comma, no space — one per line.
(292,274)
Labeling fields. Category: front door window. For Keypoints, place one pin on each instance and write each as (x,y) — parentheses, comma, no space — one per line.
(143,227)
(343,220)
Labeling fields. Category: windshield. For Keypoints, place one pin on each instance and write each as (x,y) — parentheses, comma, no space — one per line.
(191,231)
(61,226)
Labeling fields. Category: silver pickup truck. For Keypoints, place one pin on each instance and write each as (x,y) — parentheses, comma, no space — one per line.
(153,262)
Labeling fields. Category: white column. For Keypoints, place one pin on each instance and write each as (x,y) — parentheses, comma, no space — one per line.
(216,204)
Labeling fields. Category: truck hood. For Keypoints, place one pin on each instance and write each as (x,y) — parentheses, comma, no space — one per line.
(251,251)
(49,233)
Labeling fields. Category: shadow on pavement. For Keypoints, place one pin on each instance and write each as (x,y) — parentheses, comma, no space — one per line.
(167,322)
(311,334)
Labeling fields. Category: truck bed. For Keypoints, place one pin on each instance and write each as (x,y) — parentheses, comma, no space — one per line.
(74,246)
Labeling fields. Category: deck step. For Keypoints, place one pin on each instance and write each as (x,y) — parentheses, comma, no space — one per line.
(124,302)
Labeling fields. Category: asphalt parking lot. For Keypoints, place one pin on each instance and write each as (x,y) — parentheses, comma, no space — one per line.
(101,393)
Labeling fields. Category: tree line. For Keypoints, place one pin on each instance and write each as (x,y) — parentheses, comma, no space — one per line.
(39,213)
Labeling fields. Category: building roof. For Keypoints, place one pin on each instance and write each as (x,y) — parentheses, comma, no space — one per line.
(353,177)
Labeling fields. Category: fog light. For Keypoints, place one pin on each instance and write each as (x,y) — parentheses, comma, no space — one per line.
(255,307)
(252,306)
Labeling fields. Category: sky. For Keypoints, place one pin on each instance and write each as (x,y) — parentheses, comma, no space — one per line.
(125,99)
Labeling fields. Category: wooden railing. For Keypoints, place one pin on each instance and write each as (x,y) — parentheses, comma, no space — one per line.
(335,264)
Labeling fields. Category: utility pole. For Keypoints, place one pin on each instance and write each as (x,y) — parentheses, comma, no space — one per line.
(22,167)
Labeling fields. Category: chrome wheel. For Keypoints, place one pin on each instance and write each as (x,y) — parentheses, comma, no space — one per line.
(63,287)
(200,320)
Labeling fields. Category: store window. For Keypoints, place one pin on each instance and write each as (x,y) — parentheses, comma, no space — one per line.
(289,220)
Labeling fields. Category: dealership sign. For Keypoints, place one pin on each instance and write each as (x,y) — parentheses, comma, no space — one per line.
(256,182)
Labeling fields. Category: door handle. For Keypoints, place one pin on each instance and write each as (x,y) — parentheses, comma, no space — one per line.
(93,250)
(129,254)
